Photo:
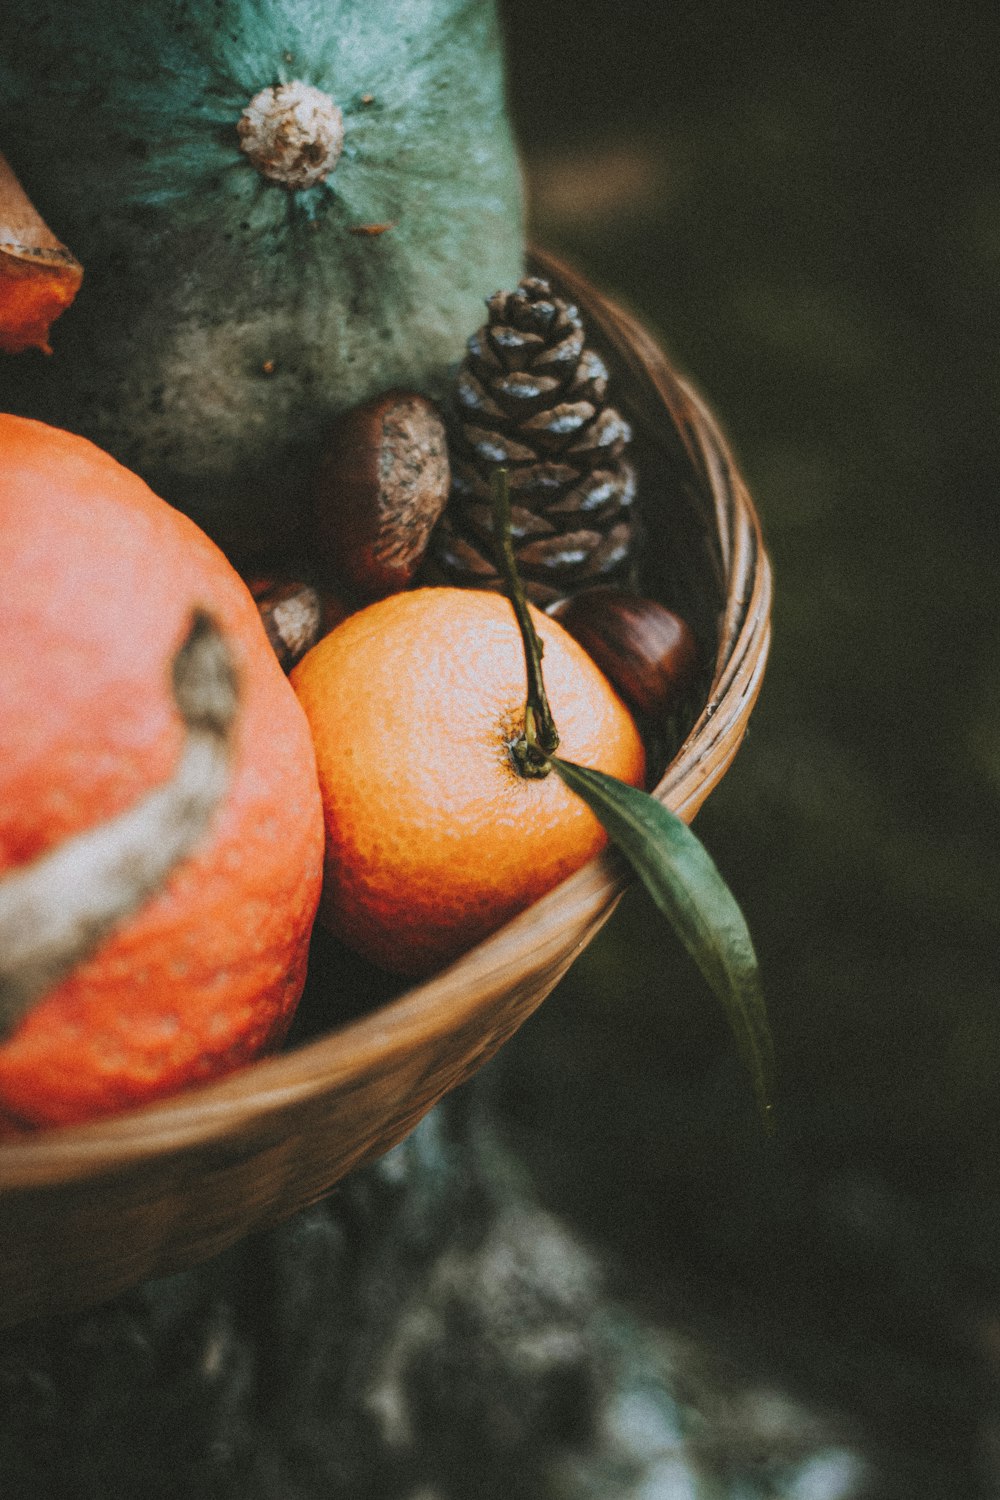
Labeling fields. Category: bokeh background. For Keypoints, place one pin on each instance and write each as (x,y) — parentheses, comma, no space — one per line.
(803,203)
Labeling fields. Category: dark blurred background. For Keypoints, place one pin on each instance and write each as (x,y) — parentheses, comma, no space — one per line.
(804,205)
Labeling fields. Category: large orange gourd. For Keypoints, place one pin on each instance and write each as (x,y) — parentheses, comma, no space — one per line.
(99,584)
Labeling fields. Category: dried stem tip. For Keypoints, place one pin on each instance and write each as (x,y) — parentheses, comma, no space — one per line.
(293,134)
(39,277)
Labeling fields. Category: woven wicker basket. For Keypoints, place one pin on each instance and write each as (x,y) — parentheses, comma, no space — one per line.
(88,1211)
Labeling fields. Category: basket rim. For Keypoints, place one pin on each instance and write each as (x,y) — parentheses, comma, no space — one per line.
(452,998)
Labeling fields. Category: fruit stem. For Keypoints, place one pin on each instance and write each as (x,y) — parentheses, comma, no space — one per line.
(668,858)
(540,739)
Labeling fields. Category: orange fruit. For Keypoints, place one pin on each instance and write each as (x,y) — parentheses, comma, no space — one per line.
(433,839)
(99,580)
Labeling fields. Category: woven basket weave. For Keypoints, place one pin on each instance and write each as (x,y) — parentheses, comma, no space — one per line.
(88,1211)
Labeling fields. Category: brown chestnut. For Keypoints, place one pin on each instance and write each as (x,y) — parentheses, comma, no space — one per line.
(295,615)
(646,651)
(383,482)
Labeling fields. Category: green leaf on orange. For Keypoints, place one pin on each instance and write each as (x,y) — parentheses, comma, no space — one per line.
(684,882)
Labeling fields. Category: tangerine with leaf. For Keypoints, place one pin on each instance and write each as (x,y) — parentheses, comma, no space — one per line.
(434,837)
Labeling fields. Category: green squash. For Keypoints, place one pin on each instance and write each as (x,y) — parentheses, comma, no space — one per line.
(226,316)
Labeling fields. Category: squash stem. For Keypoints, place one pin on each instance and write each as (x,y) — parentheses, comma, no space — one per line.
(531,750)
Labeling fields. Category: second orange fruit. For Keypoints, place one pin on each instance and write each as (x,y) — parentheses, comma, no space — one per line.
(433,839)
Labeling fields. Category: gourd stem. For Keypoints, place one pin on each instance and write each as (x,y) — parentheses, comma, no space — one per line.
(56,910)
(540,739)
(293,133)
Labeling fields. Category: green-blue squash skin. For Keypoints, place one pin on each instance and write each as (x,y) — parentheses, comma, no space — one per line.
(224,319)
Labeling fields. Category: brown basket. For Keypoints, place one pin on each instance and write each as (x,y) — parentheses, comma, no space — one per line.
(89,1211)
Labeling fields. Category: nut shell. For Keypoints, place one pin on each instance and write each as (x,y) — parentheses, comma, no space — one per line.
(383,483)
(647,652)
(295,615)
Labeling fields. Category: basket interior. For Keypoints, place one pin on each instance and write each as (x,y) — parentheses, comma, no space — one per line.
(680,562)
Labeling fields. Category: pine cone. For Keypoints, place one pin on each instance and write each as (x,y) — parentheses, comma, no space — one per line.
(529,396)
